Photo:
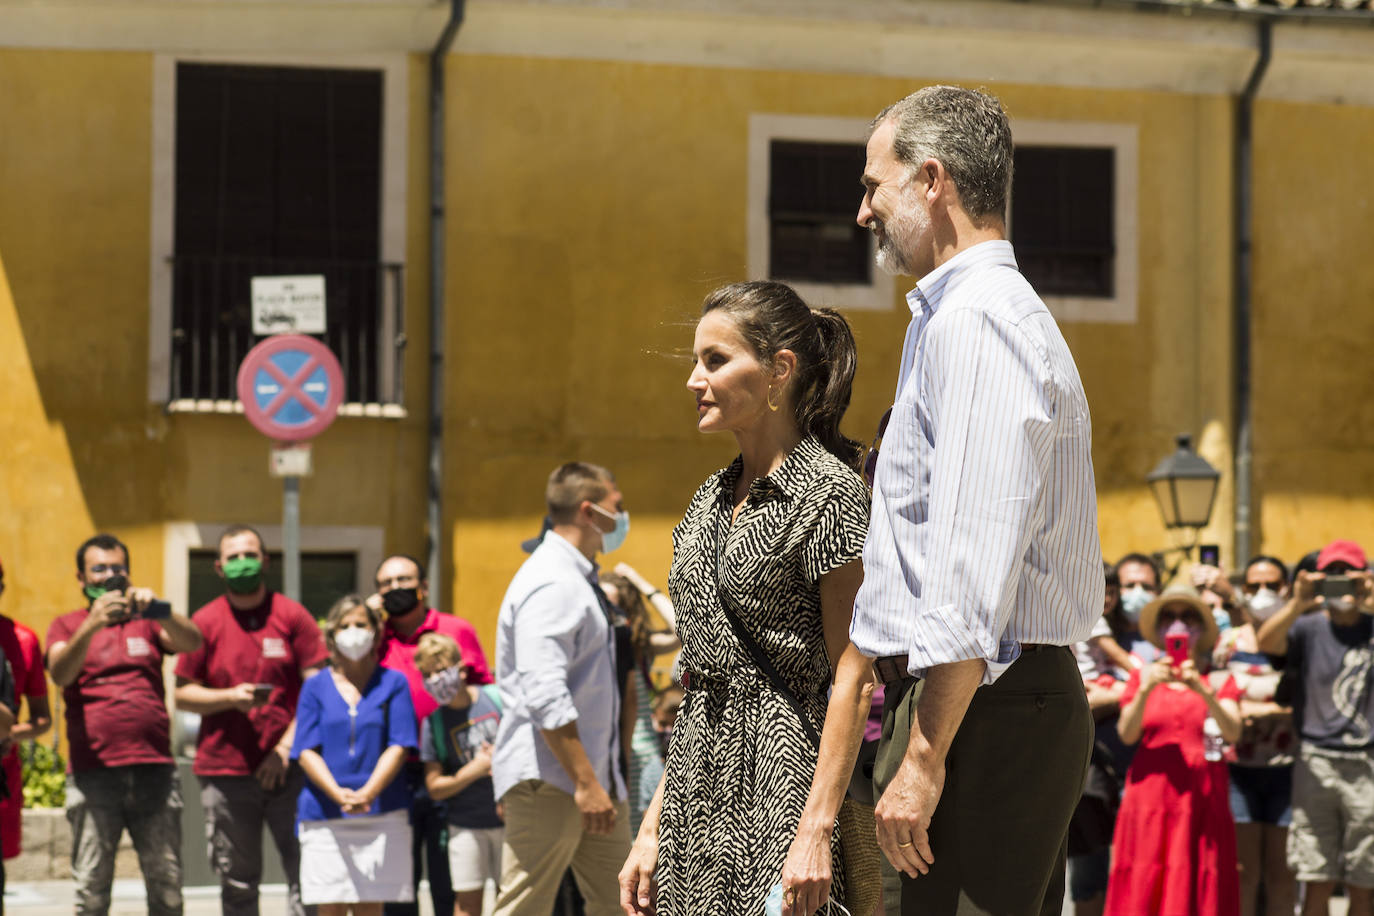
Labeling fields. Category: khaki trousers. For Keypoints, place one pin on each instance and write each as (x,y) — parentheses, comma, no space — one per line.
(544,836)
(1013,776)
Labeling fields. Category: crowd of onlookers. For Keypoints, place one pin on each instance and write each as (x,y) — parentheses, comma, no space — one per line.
(362,743)
(1233,768)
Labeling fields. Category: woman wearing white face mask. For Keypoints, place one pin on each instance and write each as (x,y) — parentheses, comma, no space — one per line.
(354,726)
(1262,760)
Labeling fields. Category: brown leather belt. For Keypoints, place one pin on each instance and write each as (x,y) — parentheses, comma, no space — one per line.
(893,669)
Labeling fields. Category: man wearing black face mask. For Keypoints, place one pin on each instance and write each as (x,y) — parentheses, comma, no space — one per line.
(402,591)
(107,657)
(260,646)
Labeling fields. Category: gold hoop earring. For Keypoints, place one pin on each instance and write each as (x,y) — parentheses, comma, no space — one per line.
(771,406)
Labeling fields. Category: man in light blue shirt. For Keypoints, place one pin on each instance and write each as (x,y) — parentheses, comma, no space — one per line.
(555,765)
(982,564)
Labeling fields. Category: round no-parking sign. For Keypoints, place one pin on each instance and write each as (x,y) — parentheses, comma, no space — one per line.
(291,387)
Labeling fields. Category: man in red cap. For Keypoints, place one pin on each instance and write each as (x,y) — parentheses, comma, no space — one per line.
(20,647)
(1331,662)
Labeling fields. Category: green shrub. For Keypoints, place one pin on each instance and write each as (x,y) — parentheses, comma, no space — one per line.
(44,775)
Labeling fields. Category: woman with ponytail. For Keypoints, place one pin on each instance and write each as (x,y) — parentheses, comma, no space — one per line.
(765,568)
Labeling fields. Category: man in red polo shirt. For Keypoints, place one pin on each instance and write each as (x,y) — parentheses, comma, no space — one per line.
(19,645)
(402,592)
(259,648)
(107,658)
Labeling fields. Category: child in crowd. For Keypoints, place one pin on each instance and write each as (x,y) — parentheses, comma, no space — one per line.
(455,746)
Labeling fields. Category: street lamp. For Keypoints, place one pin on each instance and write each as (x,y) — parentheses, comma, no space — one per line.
(1185,487)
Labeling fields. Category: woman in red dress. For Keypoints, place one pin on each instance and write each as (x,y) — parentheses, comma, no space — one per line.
(1174,852)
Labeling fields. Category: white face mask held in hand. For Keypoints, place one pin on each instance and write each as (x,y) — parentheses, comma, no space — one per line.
(354,642)
(773,905)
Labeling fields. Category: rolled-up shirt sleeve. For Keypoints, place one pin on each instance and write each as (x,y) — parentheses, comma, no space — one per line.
(545,639)
(986,390)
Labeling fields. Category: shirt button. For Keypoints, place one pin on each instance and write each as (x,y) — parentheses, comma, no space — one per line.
(1040,702)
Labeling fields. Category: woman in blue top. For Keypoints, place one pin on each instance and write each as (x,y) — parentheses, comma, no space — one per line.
(355,725)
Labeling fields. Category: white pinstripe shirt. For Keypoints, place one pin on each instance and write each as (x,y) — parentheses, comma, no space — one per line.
(984,527)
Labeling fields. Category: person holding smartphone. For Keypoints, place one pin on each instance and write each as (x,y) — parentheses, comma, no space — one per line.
(107,658)
(1326,632)
(260,647)
(1174,849)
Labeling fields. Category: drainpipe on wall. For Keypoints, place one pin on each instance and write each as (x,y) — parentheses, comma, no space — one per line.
(1244,151)
(434,515)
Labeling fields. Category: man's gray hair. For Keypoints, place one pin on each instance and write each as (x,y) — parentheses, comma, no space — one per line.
(967,131)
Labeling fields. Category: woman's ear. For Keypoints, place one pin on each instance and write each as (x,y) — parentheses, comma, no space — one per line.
(784,367)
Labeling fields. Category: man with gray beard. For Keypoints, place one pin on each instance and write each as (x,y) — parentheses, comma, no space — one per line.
(982,565)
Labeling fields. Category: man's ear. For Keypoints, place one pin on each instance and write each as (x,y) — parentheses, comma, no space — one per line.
(219,569)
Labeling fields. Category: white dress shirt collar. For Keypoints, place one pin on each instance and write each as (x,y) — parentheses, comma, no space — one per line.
(556,541)
(930,290)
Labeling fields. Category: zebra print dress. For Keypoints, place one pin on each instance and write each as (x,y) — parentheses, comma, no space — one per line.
(739,764)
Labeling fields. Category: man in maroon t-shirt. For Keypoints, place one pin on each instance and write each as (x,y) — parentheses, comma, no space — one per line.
(401,592)
(107,658)
(244,681)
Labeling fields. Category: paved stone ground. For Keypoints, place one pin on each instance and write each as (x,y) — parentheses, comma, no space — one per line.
(54,898)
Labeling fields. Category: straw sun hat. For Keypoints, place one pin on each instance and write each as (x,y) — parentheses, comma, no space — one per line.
(1186,596)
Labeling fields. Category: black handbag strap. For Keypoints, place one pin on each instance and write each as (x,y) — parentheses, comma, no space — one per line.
(760,658)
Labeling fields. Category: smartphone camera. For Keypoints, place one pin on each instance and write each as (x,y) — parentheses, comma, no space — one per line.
(1336,587)
(1209,554)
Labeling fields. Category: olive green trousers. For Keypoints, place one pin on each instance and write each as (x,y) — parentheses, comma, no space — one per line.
(1013,776)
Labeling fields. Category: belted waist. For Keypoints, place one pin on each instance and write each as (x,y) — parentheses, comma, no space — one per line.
(696,681)
(893,669)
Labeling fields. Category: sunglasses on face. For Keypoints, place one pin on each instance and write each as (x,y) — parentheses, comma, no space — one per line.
(871,459)
(1168,617)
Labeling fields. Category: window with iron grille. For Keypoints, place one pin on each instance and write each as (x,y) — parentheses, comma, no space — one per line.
(278,172)
(812,200)
(1063,221)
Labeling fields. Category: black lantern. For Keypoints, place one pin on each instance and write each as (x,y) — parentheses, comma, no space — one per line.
(1185,486)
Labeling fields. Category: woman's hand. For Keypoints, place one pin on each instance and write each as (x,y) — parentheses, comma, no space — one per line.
(1161,671)
(806,875)
(637,886)
(358,801)
(1193,679)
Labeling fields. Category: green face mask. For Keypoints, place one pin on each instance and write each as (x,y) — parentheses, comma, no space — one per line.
(94,591)
(243,574)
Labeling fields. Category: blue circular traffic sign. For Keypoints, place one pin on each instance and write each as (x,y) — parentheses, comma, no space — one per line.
(291,387)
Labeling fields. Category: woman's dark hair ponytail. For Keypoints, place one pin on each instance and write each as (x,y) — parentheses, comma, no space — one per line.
(772,317)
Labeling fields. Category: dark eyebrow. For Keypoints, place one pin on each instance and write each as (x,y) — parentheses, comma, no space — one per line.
(867,181)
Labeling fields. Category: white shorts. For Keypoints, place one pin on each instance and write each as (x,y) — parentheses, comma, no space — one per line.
(357,859)
(474,856)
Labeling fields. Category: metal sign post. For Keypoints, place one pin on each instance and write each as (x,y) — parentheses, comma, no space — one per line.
(291,387)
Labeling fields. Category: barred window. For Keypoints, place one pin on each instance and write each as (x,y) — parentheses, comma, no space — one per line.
(1063,220)
(278,172)
(812,202)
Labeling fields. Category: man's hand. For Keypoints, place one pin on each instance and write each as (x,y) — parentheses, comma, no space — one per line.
(1364,590)
(109,609)
(637,885)
(139,599)
(598,811)
(903,814)
(241,697)
(1305,587)
(375,602)
(271,773)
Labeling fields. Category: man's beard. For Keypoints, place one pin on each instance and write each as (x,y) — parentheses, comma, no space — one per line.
(899,238)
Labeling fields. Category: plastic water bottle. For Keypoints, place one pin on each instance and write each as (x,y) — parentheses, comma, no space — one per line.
(1212,743)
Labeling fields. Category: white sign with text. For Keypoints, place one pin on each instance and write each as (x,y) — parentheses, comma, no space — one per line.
(288,305)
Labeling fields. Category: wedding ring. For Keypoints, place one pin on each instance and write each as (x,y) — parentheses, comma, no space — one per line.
(790,895)
(905,845)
